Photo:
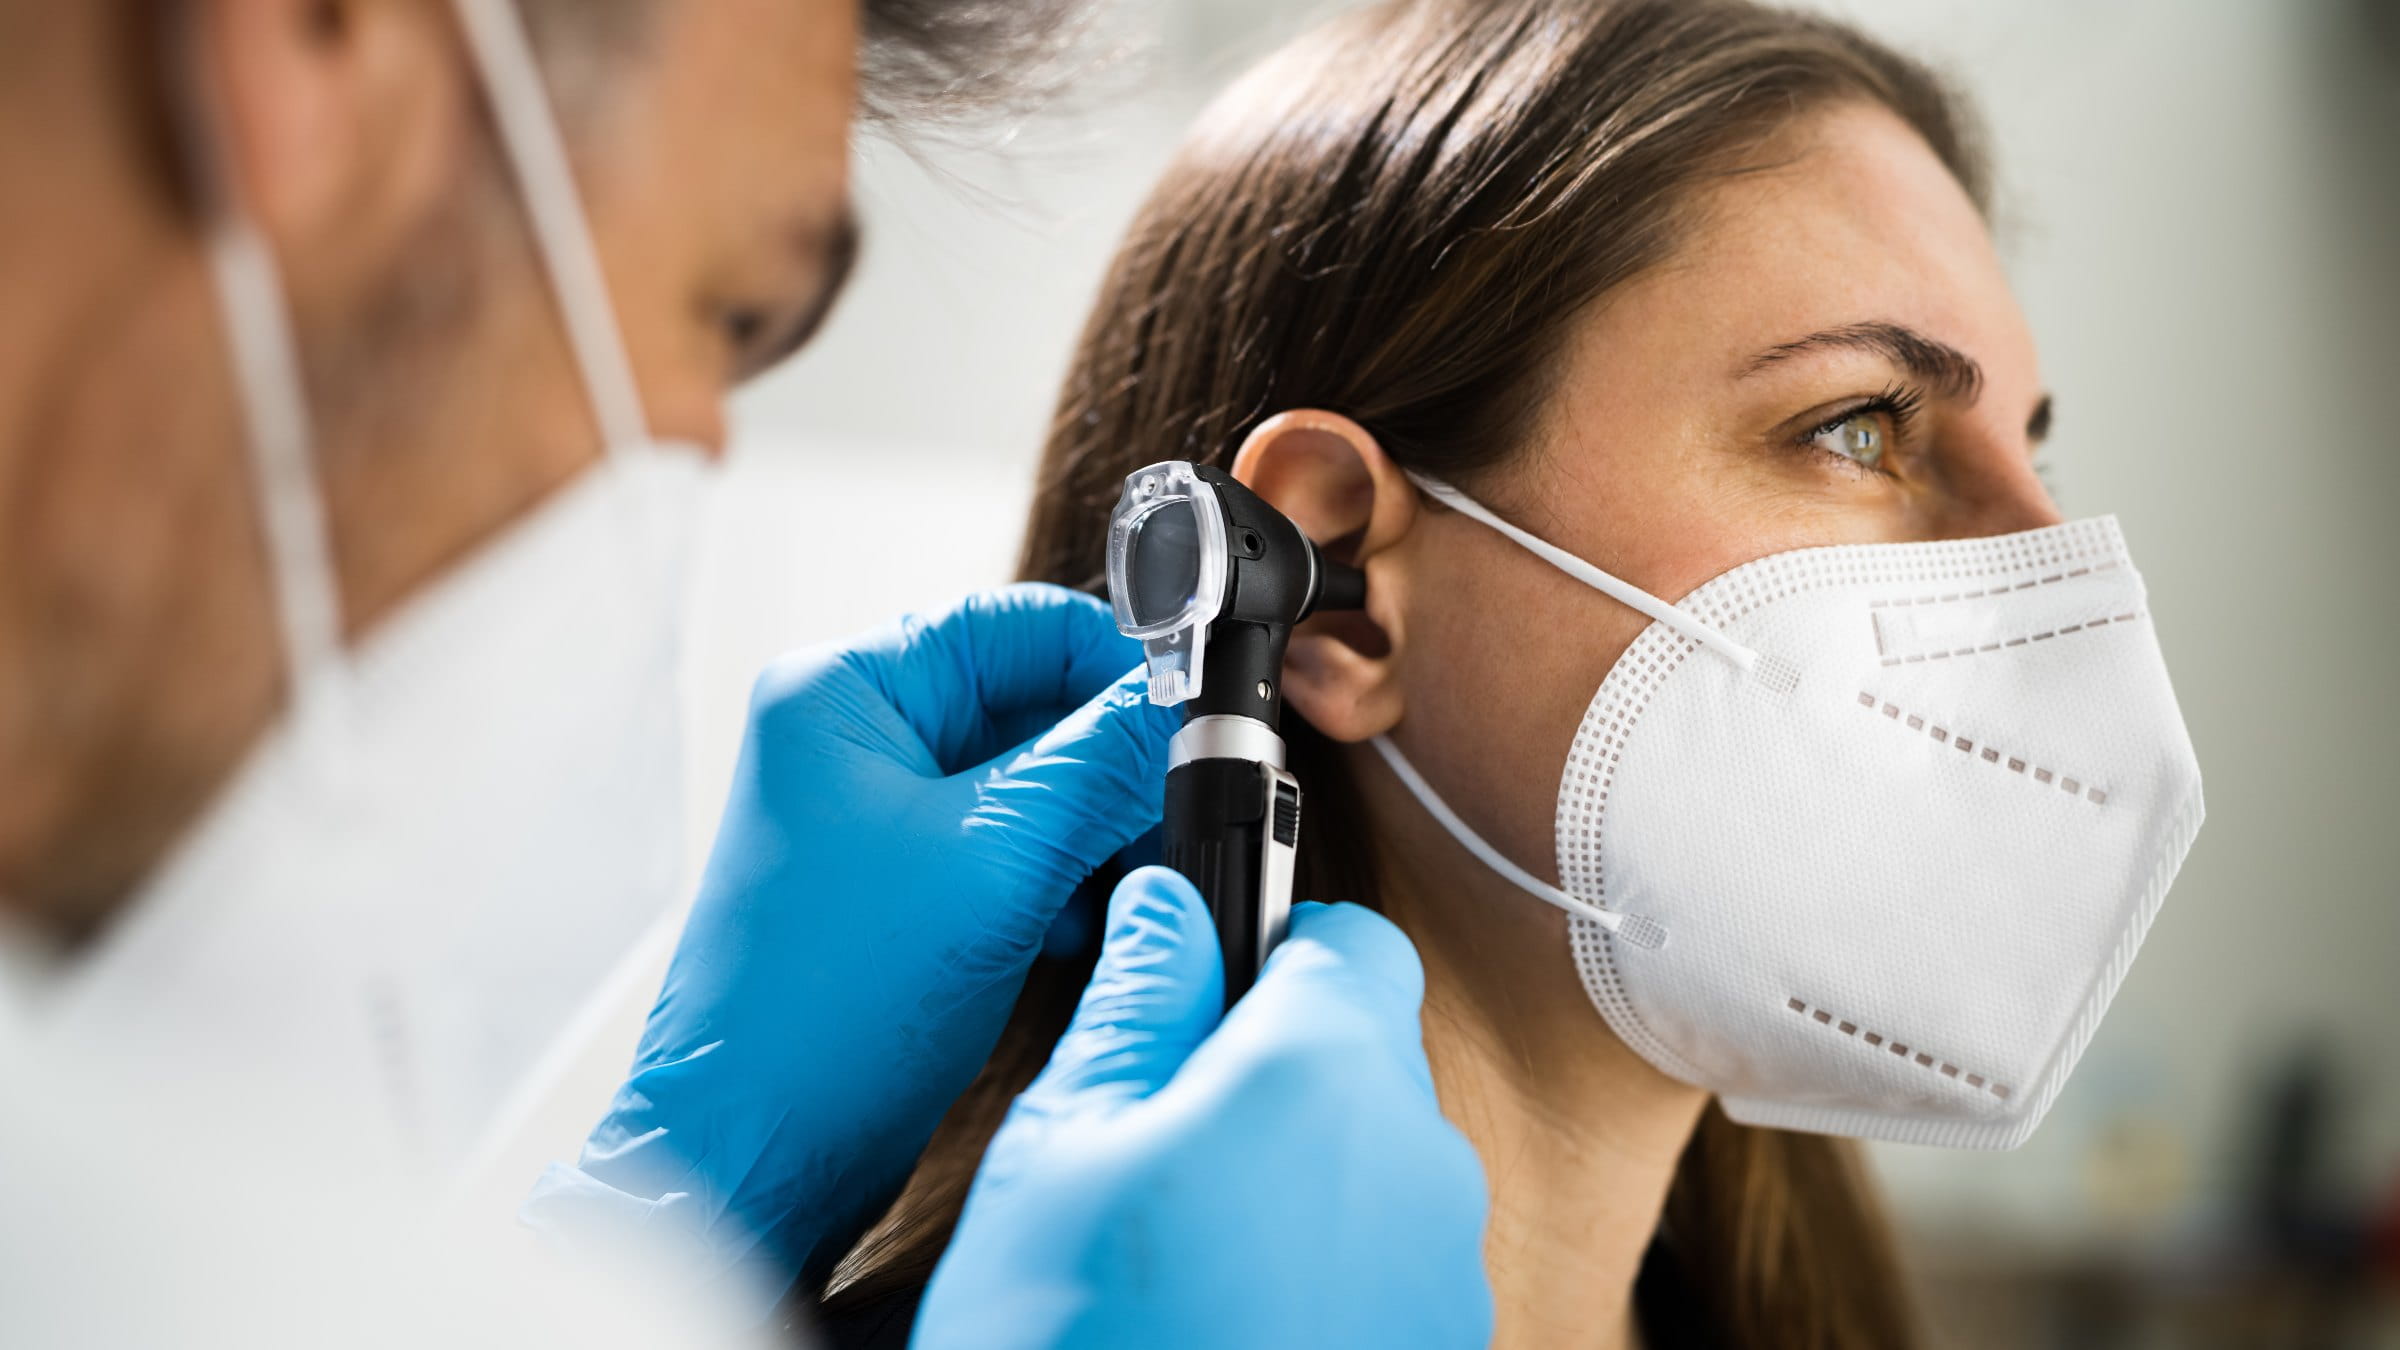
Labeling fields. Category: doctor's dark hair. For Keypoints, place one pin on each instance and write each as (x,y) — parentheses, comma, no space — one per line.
(1399,218)
(921,62)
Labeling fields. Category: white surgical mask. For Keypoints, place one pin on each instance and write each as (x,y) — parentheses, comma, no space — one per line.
(462,824)
(1863,839)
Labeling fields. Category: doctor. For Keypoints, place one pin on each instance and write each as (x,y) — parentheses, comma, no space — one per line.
(361,363)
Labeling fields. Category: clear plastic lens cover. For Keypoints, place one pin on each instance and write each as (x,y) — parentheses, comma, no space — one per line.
(1162,562)
(1166,572)
(1174,667)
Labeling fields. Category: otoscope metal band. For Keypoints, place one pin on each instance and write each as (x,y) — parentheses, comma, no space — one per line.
(1223,736)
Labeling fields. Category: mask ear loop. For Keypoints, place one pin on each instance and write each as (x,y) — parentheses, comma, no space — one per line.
(527,122)
(282,465)
(1637,929)
(529,135)
(1767,670)
(279,440)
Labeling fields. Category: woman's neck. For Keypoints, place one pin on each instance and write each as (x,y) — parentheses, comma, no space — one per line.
(1579,1136)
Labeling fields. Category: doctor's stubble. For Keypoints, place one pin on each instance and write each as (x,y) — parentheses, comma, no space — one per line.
(458,314)
(444,402)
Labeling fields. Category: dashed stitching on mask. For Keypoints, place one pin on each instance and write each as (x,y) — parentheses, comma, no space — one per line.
(1940,735)
(1907,1052)
(1906,601)
(2018,641)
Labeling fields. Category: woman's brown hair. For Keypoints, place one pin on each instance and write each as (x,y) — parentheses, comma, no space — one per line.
(1399,218)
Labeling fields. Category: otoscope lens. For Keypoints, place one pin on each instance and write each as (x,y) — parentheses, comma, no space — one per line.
(1163,562)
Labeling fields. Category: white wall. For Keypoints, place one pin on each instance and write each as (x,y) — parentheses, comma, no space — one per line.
(2201,206)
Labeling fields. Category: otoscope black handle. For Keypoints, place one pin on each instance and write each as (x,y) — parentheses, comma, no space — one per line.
(1227,821)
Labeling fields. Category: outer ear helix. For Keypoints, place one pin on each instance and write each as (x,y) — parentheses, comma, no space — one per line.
(1331,477)
(1276,460)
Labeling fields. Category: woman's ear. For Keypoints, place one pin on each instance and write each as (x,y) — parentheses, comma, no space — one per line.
(343,124)
(1331,478)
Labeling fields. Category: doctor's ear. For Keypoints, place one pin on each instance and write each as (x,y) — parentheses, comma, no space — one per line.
(342,125)
(1331,478)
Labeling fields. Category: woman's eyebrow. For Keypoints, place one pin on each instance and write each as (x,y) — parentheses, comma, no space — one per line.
(1947,371)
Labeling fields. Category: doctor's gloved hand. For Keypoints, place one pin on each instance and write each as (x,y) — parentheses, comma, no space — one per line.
(1284,1179)
(909,815)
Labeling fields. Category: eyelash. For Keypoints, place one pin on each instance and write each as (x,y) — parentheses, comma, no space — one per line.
(1899,402)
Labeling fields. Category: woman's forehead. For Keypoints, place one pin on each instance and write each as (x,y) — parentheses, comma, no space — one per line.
(1850,219)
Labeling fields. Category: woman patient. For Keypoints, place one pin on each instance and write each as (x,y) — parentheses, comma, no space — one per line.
(1673,285)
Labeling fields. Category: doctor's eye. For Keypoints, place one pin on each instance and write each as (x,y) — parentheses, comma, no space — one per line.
(1864,433)
(744,327)
(756,336)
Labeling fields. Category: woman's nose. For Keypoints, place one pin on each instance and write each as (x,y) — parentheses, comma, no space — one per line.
(1998,492)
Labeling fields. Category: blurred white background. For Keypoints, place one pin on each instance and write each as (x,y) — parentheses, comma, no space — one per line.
(2201,206)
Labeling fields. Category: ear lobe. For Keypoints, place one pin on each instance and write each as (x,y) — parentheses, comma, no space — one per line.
(1333,480)
(341,124)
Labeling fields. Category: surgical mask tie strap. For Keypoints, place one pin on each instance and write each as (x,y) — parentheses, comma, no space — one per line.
(529,135)
(1634,928)
(1623,592)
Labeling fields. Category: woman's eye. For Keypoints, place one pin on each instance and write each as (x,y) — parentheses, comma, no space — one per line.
(1860,436)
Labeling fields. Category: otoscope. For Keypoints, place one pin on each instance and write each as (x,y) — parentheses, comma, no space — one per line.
(1211,579)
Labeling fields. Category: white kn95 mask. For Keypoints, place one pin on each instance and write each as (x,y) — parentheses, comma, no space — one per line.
(1863,839)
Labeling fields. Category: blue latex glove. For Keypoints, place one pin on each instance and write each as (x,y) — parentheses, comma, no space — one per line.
(1285,1181)
(908,817)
